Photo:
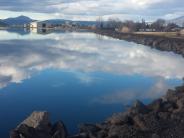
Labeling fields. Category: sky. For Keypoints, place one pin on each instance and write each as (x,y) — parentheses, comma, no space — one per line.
(92,9)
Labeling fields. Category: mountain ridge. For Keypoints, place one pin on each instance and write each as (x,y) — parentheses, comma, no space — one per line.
(20,20)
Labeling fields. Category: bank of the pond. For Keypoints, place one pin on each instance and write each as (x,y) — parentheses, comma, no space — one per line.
(163,118)
(175,45)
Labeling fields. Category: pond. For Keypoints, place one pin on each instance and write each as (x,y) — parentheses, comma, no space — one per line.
(79,77)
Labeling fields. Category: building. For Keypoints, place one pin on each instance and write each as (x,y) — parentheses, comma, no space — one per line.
(147,30)
(38,25)
(44,24)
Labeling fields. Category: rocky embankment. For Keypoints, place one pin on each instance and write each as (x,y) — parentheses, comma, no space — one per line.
(175,45)
(163,118)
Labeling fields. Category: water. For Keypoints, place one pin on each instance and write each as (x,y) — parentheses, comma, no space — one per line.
(78,76)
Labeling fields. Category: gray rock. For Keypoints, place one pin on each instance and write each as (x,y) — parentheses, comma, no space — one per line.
(139,107)
(155,136)
(59,130)
(38,120)
(38,125)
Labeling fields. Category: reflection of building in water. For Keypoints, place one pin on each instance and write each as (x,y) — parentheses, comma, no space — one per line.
(44,31)
(40,31)
(33,30)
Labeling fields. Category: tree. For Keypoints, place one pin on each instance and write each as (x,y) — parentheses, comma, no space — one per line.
(159,24)
(113,23)
(143,25)
(138,26)
(100,22)
(170,27)
(130,24)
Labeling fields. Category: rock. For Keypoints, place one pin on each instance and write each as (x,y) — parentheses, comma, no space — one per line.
(80,135)
(90,130)
(156,105)
(155,136)
(102,134)
(59,130)
(24,131)
(38,125)
(180,105)
(139,107)
(119,119)
(14,134)
(140,122)
(38,120)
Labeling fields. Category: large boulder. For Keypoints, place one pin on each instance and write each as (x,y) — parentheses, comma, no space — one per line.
(38,120)
(38,125)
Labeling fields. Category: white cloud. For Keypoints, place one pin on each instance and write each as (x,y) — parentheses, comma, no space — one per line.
(90,9)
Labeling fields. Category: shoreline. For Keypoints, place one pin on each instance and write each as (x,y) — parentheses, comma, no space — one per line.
(162,43)
(162,118)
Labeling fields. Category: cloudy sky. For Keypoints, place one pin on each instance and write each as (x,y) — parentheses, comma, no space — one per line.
(91,9)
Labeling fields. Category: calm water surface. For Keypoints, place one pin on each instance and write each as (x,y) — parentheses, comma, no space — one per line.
(78,77)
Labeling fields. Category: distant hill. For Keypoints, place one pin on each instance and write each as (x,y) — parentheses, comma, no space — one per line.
(24,20)
(2,24)
(179,21)
(86,23)
(18,20)
(57,21)
(62,21)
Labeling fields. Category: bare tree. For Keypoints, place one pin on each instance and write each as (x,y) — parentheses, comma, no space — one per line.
(130,24)
(114,23)
(159,25)
(170,27)
(100,22)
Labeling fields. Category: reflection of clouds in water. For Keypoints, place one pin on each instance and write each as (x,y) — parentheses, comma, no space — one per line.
(117,97)
(10,74)
(83,52)
(158,89)
(86,78)
(127,96)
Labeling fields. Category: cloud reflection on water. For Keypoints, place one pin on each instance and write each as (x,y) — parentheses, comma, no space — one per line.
(82,52)
(127,96)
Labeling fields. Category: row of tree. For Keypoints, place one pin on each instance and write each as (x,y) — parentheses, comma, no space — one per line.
(114,23)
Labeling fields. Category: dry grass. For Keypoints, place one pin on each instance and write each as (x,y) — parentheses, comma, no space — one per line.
(163,34)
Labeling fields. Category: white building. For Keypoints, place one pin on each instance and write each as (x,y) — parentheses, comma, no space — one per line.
(38,25)
(44,25)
